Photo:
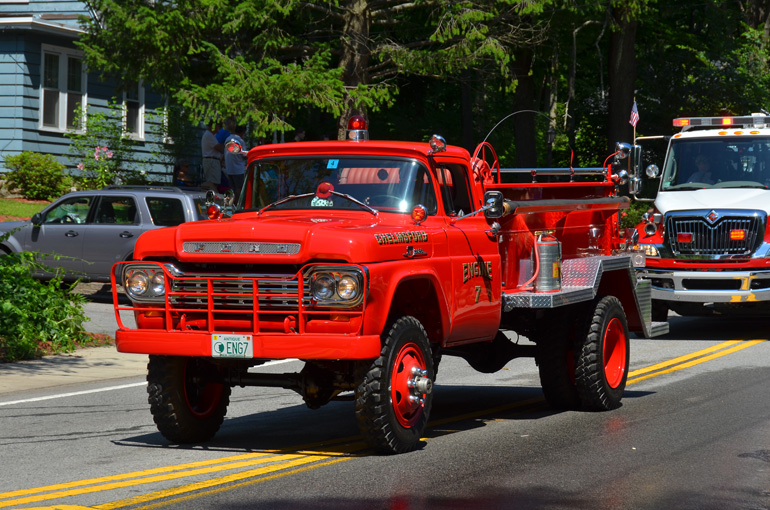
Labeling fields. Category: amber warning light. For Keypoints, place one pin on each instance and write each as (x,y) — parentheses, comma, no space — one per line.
(737,235)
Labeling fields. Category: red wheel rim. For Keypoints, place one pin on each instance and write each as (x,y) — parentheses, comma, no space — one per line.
(202,398)
(614,353)
(406,410)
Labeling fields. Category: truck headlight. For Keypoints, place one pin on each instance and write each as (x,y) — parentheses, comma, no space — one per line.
(323,286)
(336,286)
(143,282)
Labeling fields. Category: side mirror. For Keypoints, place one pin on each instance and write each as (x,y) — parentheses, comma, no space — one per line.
(493,204)
(37,219)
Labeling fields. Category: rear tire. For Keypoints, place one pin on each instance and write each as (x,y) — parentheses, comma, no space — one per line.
(555,357)
(602,357)
(186,403)
(393,401)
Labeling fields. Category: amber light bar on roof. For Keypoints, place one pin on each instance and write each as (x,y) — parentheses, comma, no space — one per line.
(747,120)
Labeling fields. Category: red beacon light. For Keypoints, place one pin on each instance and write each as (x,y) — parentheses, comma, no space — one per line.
(233,147)
(357,129)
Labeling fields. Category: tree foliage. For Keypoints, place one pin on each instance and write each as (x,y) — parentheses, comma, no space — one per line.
(424,66)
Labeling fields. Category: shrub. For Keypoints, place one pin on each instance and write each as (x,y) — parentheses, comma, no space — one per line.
(101,147)
(38,176)
(36,317)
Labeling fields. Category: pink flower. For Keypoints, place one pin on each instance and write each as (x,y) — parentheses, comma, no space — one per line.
(80,166)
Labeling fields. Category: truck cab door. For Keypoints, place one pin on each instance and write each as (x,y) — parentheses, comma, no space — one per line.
(474,260)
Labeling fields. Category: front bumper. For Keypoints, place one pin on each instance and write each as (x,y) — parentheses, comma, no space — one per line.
(306,346)
(698,286)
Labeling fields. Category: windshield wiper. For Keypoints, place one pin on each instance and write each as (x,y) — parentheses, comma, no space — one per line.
(356,201)
(291,198)
(687,187)
(733,184)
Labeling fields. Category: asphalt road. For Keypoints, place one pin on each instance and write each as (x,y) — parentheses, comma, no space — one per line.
(693,433)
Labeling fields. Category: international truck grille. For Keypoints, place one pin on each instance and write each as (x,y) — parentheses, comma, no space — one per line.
(714,234)
(273,292)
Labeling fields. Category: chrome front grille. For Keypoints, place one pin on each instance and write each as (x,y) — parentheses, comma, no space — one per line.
(273,292)
(710,233)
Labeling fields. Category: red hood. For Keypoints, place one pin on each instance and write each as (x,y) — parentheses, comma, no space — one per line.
(290,239)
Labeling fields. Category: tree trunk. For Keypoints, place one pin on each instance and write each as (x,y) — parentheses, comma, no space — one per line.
(622,77)
(524,99)
(466,111)
(355,57)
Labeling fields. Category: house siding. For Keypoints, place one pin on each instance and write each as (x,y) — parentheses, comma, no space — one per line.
(25,28)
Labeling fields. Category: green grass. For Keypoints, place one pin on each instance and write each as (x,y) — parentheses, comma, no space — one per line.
(20,209)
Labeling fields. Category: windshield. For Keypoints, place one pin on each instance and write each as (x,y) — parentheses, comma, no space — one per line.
(717,163)
(389,185)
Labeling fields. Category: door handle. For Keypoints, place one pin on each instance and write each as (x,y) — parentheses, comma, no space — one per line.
(71,233)
(126,235)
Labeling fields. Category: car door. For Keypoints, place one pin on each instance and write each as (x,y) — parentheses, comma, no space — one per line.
(59,236)
(111,235)
(475,259)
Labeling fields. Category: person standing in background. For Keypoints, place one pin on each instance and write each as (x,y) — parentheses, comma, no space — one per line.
(235,163)
(211,152)
(225,131)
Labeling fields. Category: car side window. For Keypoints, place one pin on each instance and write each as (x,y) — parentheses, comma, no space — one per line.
(453,183)
(70,210)
(165,212)
(116,211)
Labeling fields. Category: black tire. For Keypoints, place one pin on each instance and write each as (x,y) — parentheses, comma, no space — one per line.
(555,358)
(186,405)
(659,311)
(389,420)
(602,357)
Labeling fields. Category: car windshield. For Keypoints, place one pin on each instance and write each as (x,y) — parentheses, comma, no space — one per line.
(717,163)
(390,185)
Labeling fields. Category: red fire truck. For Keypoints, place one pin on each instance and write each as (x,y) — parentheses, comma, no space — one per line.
(369,261)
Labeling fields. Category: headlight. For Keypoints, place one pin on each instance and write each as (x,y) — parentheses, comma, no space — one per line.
(158,284)
(336,286)
(323,286)
(347,288)
(144,282)
(136,283)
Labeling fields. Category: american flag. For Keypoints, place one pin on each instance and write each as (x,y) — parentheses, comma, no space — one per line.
(634,115)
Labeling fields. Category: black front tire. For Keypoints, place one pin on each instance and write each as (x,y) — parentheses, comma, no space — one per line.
(602,357)
(394,399)
(186,402)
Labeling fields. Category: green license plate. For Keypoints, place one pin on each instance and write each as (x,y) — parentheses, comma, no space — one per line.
(232,346)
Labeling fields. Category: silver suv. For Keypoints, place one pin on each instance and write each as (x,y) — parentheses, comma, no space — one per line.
(84,233)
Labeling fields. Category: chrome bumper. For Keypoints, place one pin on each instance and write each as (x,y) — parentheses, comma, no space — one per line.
(708,286)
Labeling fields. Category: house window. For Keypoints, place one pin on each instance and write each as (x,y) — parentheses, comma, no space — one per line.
(64,88)
(133,107)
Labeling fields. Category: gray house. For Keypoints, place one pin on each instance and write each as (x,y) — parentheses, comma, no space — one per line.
(43,79)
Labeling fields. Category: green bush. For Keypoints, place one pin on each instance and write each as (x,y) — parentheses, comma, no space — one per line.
(36,317)
(38,176)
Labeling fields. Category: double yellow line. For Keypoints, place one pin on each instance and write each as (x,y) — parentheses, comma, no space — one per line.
(690,360)
(260,464)
(259,467)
